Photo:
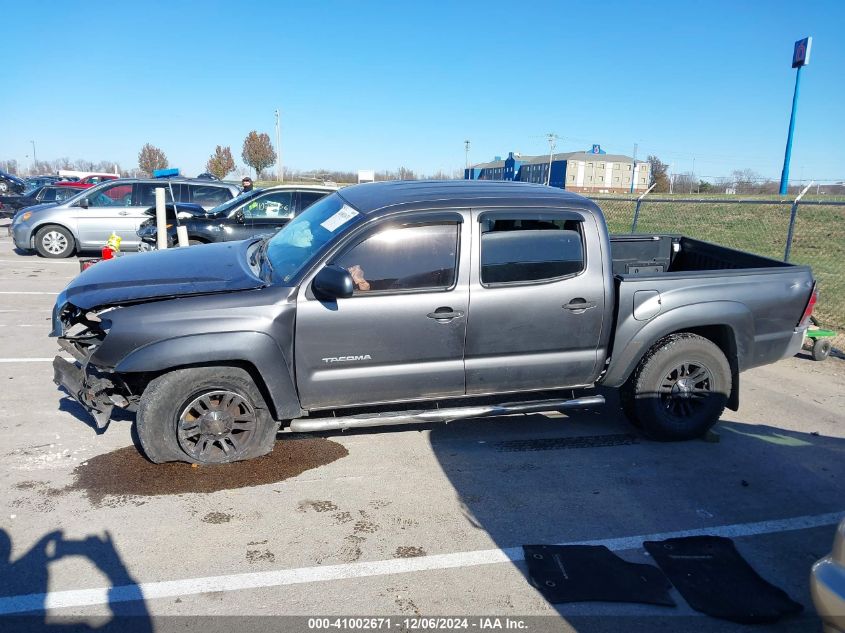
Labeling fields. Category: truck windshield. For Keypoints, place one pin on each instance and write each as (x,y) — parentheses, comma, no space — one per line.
(304,237)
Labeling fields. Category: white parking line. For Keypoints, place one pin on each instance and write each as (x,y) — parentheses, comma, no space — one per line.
(26,292)
(39,261)
(30,360)
(282,577)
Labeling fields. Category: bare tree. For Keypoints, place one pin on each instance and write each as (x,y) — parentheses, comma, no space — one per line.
(685,183)
(258,152)
(221,162)
(9,166)
(150,158)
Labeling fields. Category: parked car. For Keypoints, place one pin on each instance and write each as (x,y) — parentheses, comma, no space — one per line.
(415,302)
(85,222)
(252,214)
(39,195)
(10,183)
(88,181)
(827,585)
(34,182)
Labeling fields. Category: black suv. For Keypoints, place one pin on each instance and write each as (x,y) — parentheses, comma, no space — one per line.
(10,183)
(39,195)
(255,213)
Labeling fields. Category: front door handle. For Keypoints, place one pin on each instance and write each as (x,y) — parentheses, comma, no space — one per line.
(444,314)
(123,212)
(579,305)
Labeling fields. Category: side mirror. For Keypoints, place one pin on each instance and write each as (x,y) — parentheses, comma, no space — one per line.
(333,282)
(240,218)
(84,203)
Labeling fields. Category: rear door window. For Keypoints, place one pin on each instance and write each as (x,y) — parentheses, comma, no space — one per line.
(209,196)
(146,192)
(524,248)
(276,205)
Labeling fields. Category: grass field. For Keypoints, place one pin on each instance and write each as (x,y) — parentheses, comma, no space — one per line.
(819,238)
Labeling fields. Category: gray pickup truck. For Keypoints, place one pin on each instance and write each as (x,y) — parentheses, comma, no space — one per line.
(420,302)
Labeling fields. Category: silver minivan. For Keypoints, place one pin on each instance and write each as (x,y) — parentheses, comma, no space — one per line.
(85,221)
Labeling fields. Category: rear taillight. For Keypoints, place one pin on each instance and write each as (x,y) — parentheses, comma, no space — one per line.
(808,311)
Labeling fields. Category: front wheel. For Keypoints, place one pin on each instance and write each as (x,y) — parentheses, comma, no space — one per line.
(204,415)
(679,389)
(55,242)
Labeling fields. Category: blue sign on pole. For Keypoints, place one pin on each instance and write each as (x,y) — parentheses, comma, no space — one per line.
(800,58)
(801,53)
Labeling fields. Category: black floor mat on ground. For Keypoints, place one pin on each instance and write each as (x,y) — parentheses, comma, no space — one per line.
(715,579)
(586,573)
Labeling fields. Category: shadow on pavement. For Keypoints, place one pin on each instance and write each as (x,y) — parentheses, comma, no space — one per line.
(24,583)
(535,479)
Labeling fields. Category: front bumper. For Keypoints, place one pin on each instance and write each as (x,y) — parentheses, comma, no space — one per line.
(21,235)
(88,389)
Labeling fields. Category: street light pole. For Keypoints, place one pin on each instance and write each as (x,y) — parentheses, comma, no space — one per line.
(279,148)
(552,138)
(466,160)
(34,159)
(634,169)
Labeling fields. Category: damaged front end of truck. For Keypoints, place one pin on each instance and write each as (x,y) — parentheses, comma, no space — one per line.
(99,389)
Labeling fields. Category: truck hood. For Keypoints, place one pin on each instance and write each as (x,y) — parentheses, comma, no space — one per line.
(170,273)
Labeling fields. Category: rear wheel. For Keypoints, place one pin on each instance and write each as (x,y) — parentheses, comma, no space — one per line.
(679,389)
(204,415)
(55,242)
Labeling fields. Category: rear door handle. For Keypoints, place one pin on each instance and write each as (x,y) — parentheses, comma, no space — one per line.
(579,305)
(444,314)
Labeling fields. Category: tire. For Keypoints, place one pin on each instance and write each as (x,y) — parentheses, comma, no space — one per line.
(4,187)
(821,348)
(193,242)
(192,415)
(680,388)
(627,399)
(54,241)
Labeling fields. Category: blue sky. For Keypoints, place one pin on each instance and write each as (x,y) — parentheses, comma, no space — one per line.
(377,85)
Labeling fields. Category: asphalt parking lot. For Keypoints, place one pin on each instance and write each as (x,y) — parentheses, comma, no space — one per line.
(408,522)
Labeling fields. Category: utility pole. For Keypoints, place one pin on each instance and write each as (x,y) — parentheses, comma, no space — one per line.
(634,169)
(694,177)
(34,159)
(279,148)
(552,138)
(671,180)
(800,58)
(466,159)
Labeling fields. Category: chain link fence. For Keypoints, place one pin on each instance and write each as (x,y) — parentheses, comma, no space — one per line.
(757,226)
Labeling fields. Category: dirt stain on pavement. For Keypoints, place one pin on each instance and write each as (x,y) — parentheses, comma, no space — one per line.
(409,551)
(125,472)
(216,518)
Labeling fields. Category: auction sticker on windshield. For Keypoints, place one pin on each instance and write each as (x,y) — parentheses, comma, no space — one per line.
(340,218)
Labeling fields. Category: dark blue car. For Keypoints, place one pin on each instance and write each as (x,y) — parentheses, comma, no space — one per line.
(11,184)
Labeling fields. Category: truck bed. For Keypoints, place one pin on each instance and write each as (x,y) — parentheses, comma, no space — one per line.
(644,255)
(672,283)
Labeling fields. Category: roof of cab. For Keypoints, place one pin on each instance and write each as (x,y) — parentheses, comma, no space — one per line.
(371,197)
